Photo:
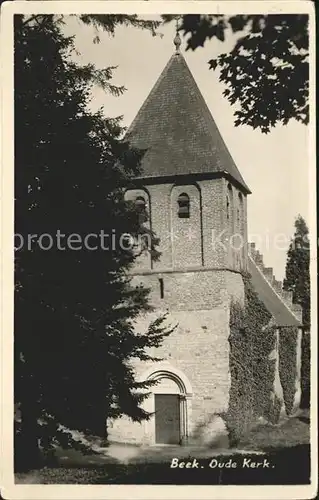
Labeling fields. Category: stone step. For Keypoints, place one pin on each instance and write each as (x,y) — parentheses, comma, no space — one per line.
(296,307)
(297,310)
(287,295)
(268,273)
(277,285)
(259,259)
(252,248)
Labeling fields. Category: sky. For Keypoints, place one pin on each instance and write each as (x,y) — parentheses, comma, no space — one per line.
(275,166)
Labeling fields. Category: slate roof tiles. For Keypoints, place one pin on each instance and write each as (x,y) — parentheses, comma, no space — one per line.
(177,130)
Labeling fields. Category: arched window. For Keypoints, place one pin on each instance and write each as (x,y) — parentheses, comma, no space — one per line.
(140,204)
(227,207)
(241,212)
(230,207)
(183,206)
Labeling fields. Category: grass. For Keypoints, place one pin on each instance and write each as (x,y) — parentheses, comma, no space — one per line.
(282,471)
(294,432)
(286,448)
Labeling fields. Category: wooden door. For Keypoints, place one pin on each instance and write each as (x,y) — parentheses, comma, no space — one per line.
(167,418)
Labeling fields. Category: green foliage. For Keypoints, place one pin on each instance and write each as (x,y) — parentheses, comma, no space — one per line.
(251,341)
(109,23)
(105,22)
(297,279)
(305,370)
(75,307)
(267,72)
(287,364)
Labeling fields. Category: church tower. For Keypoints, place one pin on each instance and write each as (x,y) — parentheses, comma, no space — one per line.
(195,199)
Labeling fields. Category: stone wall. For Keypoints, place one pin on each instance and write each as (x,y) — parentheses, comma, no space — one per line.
(205,239)
(195,280)
(199,304)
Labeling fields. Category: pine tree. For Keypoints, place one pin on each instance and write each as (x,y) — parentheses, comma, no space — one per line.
(266,73)
(75,305)
(297,280)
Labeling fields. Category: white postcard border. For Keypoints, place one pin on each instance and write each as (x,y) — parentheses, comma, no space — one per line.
(8,488)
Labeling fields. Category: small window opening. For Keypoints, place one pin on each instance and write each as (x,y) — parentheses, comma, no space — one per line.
(229,198)
(161,282)
(241,214)
(183,206)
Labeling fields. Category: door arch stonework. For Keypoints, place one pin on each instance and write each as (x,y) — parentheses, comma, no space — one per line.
(170,382)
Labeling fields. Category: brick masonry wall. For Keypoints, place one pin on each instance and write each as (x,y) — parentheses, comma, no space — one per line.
(201,240)
(290,367)
(198,347)
(189,290)
(186,233)
(198,289)
(161,222)
(213,217)
(143,261)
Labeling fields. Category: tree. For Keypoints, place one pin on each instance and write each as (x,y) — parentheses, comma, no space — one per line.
(297,281)
(75,305)
(297,278)
(266,73)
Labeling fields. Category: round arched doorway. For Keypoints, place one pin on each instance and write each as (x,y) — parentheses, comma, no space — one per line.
(169,404)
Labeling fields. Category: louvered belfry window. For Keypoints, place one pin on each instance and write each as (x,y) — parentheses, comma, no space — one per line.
(183,206)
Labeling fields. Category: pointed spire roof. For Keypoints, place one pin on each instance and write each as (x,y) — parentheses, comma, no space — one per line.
(177,130)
